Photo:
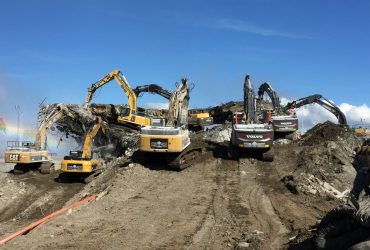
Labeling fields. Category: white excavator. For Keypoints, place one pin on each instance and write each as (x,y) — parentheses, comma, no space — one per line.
(170,144)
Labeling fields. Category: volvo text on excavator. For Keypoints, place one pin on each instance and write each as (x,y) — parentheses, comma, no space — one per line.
(171,143)
(247,133)
(130,116)
(33,156)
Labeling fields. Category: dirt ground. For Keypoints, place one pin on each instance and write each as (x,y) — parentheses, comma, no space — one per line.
(215,204)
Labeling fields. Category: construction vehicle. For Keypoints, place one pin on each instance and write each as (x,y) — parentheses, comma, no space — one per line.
(323,102)
(199,120)
(32,156)
(82,163)
(363,129)
(171,143)
(285,123)
(247,133)
(129,116)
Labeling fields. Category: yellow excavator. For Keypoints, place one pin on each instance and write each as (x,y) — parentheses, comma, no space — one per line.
(34,156)
(127,116)
(82,163)
(200,120)
(171,143)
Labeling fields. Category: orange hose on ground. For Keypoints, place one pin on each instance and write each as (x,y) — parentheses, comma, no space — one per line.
(35,224)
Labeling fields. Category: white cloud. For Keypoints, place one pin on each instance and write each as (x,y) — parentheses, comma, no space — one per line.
(310,115)
(155,105)
(242,26)
(356,114)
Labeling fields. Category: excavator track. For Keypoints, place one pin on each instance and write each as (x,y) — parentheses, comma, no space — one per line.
(186,158)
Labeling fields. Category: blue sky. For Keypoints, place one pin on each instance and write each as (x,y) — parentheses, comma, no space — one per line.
(56,49)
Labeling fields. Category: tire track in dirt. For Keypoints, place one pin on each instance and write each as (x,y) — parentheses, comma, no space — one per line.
(262,216)
(239,207)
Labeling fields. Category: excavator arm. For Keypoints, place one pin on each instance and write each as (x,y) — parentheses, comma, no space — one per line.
(60,111)
(88,141)
(152,88)
(323,102)
(122,82)
(266,87)
(249,100)
(178,106)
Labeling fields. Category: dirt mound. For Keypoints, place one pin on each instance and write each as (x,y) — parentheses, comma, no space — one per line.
(322,132)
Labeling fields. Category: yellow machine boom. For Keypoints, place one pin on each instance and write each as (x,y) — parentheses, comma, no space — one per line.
(131,117)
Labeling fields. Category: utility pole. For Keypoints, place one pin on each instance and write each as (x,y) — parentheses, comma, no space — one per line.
(18,109)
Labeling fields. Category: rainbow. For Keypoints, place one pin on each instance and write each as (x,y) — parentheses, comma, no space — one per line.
(11,134)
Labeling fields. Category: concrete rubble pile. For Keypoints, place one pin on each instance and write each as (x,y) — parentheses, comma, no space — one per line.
(114,143)
(324,165)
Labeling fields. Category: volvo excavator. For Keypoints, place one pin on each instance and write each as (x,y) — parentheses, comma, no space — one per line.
(82,163)
(247,133)
(130,116)
(171,143)
(284,122)
(323,102)
(33,156)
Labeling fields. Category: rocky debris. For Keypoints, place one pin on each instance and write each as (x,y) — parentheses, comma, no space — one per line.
(249,240)
(218,134)
(325,161)
(282,141)
(290,183)
(345,226)
(324,132)
(117,138)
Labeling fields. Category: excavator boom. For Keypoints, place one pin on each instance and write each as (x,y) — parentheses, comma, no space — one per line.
(178,106)
(60,111)
(323,102)
(152,88)
(266,87)
(249,100)
(130,116)
(122,82)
